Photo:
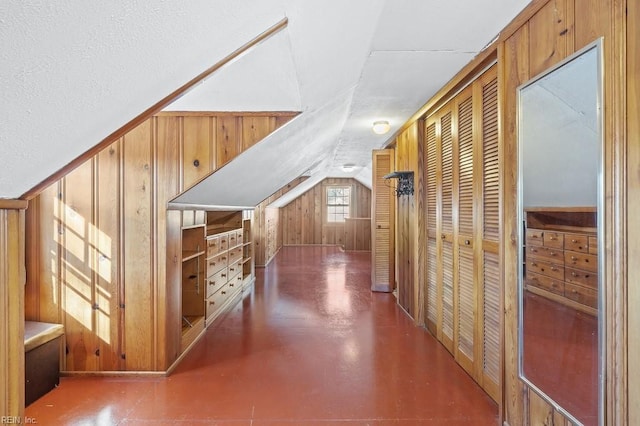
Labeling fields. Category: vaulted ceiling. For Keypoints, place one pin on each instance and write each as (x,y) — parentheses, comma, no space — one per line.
(73,72)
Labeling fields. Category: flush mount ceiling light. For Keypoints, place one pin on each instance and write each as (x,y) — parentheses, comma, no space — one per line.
(381,127)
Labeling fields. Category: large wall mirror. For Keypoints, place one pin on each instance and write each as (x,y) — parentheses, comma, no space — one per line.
(561,241)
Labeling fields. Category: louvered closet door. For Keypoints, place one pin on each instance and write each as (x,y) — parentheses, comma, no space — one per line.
(465,286)
(491,290)
(431,164)
(446,230)
(382,248)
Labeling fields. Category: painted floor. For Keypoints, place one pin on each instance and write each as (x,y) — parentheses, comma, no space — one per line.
(312,345)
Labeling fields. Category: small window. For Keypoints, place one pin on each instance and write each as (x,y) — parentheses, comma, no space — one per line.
(338,203)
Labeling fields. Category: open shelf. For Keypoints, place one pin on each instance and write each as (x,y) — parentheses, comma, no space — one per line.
(188,256)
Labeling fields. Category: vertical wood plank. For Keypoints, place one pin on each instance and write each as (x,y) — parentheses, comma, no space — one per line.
(137,244)
(12,280)
(513,70)
(168,249)
(550,30)
(226,139)
(197,143)
(108,256)
(254,129)
(633,167)
(78,264)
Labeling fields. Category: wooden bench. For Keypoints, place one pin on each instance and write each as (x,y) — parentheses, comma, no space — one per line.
(42,358)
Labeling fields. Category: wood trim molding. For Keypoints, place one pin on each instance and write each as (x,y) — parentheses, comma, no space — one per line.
(157,107)
(11,204)
(226,113)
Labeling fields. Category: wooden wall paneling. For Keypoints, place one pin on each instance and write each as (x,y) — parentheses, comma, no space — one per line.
(254,129)
(420,240)
(382,220)
(168,248)
(227,140)
(553,35)
(138,240)
(513,70)
(77,272)
(12,287)
(198,148)
(107,247)
(633,165)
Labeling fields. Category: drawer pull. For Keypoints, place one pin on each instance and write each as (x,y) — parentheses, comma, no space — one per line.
(211,302)
(231,269)
(573,274)
(553,238)
(223,275)
(534,250)
(534,236)
(553,268)
(574,258)
(231,284)
(224,258)
(223,292)
(553,254)
(467,242)
(574,241)
(574,291)
(212,263)
(212,283)
(534,264)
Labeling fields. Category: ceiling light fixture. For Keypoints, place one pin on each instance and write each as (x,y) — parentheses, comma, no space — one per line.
(381,127)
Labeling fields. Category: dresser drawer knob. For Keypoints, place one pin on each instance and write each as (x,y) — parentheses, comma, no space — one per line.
(223,275)
(211,302)
(231,284)
(553,238)
(467,242)
(574,258)
(223,292)
(553,268)
(534,250)
(574,241)
(212,283)
(534,264)
(573,274)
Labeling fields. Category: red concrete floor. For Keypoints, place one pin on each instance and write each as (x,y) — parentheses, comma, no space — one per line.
(311,346)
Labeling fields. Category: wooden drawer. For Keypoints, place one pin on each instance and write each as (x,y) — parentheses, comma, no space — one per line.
(546,283)
(240,236)
(553,239)
(577,242)
(216,281)
(233,239)
(534,237)
(545,268)
(235,268)
(235,255)
(217,300)
(593,245)
(213,246)
(585,278)
(580,294)
(550,254)
(587,262)
(224,241)
(217,263)
(235,284)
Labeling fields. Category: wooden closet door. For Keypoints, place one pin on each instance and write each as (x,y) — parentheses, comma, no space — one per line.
(382,233)
(431,162)
(465,284)
(446,274)
(490,306)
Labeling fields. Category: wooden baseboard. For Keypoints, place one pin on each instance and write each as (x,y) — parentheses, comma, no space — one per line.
(113,374)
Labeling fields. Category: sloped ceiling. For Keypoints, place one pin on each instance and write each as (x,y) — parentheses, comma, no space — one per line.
(73,72)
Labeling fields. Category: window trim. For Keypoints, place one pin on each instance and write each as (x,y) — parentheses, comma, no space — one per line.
(326,205)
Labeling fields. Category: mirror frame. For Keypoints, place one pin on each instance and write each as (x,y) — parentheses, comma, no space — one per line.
(600,212)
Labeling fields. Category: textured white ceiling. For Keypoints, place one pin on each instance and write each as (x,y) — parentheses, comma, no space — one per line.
(73,72)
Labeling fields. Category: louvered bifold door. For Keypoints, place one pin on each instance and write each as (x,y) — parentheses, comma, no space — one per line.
(465,286)
(430,162)
(490,306)
(446,230)
(382,233)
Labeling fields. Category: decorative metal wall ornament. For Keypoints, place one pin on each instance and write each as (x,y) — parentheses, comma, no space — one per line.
(405,182)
